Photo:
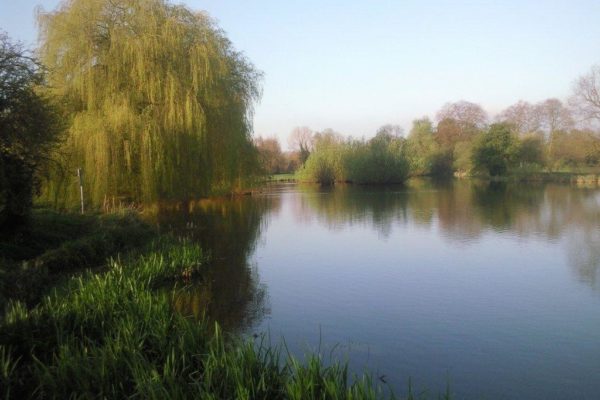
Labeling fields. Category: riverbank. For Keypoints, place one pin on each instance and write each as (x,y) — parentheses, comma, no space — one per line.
(55,246)
(575,178)
(282,178)
(578,178)
(100,328)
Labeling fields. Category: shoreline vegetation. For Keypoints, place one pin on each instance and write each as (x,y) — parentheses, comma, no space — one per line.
(496,152)
(576,178)
(103,330)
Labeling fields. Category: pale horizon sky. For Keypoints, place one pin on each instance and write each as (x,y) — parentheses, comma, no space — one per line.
(356,65)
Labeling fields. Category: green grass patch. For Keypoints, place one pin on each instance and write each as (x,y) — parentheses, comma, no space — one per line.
(55,245)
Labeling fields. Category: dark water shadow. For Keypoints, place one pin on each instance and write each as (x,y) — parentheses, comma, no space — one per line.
(230,290)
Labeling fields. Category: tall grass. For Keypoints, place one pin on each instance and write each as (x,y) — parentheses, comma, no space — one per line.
(111,335)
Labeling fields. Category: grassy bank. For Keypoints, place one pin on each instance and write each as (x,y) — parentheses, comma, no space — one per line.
(110,334)
(54,246)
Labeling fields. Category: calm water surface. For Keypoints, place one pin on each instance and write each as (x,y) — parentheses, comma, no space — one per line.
(493,289)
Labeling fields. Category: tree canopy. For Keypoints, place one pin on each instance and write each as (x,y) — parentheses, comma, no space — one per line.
(494,149)
(160,101)
(586,94)
(30,125)
(301,140)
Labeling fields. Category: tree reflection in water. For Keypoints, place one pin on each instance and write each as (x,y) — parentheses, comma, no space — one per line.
(230,291)
(461,210)
(464,210)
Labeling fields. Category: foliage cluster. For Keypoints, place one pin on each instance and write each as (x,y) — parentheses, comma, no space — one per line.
(494,150)
(272,159)
(379,160)
(160,102)
(325,164)
(30,124)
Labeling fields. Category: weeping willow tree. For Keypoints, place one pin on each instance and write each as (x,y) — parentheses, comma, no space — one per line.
(161,103)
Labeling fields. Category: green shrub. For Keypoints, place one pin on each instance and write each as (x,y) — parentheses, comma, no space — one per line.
(379,160)
(441,163)
(494,151)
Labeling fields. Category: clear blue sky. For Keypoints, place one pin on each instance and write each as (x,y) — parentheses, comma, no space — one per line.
(356,65)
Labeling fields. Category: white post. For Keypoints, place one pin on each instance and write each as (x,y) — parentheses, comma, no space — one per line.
(80,176)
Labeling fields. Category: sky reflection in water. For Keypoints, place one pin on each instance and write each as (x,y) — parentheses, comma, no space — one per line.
(493,288)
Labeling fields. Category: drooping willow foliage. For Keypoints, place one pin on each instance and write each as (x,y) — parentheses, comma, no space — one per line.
(161,103)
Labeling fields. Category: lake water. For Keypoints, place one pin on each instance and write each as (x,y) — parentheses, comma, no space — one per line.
(492,289)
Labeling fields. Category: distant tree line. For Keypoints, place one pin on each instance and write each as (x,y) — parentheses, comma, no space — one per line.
(524,138)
